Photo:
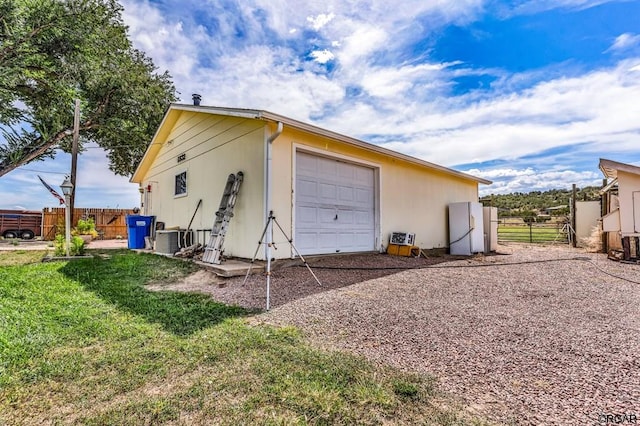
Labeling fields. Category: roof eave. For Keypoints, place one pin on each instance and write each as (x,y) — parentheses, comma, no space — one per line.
(368,146)
(269,116)
(610,168)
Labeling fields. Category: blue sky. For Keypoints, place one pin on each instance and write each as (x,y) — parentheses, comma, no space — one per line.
(529,94)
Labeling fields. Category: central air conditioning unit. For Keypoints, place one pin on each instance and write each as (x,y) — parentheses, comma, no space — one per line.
(172,240)
(402,238)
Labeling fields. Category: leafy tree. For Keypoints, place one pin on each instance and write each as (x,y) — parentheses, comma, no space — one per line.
(55,51)
(512,204)
(528,216)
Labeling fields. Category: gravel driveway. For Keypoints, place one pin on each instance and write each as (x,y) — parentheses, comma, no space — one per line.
(550,342)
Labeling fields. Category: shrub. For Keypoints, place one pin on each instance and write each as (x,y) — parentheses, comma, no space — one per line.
(76,248)
(86,227)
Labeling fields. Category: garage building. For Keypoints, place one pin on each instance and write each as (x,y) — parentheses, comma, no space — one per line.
(330,192)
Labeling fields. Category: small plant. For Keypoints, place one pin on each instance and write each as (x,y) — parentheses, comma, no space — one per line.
(59,245)
(76,248)
(406,390)
(86,227)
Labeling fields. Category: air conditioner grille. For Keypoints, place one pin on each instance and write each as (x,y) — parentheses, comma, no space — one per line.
(402,238)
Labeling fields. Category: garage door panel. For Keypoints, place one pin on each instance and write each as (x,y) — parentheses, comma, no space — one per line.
(328,192)
(326,216)
(335,207)
(306,241)
(346,194)
(345,240)
(347,171)
(364,196)
(306,165)
(307,189)
(363,218)
(327,167)
(363,240)
(327,241)
(307,215)
(345,218)
(355,241)
(364,176)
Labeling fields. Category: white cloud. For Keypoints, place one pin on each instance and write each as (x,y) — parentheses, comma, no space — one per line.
(319,21)
(163,40)
(536,6)
(625,41)
(322,56)
(406,103)
(359,44)
(598,109)
(502,173)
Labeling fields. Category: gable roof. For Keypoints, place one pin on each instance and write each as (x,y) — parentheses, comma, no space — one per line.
(174,111)
(610,168)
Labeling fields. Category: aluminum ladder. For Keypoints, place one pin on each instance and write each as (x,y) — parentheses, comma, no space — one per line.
(213,249)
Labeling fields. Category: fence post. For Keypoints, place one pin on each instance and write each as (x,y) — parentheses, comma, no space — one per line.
(530,232)
(574,243)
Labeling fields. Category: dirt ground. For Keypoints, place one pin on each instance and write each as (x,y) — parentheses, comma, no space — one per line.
(532,335)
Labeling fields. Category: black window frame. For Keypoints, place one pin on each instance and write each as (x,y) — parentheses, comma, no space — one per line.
(180,184)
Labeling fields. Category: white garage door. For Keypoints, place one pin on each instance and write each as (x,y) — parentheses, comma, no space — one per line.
(335,209)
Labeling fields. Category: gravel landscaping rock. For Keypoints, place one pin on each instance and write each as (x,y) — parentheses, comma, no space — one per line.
(532,335)
(550,342)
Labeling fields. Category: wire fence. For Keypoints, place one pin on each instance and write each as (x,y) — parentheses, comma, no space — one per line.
(518,231)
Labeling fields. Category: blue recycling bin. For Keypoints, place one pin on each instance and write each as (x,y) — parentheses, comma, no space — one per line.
(138,227)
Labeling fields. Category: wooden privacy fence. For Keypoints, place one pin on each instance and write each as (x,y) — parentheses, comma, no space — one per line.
(110,223)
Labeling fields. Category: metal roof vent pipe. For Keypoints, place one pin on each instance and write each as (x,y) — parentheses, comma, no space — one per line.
(196,99)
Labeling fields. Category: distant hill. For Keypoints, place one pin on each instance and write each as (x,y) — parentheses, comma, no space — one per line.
(536,201)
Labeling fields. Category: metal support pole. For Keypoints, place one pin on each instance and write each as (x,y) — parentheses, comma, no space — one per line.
(67,224)
(267,254)
(267,240)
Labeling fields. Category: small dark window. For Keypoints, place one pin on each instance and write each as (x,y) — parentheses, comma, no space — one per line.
(181,183)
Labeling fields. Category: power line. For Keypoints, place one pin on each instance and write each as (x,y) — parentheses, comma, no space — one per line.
(42,171)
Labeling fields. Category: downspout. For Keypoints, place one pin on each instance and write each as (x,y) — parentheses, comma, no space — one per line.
(269,208)
(269,185)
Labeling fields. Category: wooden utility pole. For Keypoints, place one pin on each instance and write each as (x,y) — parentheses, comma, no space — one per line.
(604,204)
(573,215)
(74,158)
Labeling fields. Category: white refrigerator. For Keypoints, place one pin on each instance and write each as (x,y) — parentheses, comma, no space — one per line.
(466,228)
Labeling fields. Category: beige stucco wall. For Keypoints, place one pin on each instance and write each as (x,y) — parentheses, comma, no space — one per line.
(412,198)
(627,184)
(214,147)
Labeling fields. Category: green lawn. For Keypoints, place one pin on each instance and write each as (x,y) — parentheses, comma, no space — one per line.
(84,342)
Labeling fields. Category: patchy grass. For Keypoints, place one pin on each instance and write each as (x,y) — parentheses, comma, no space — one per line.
(84,342)
(21,257)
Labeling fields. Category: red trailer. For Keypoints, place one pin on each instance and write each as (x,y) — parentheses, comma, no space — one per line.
(23,224)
